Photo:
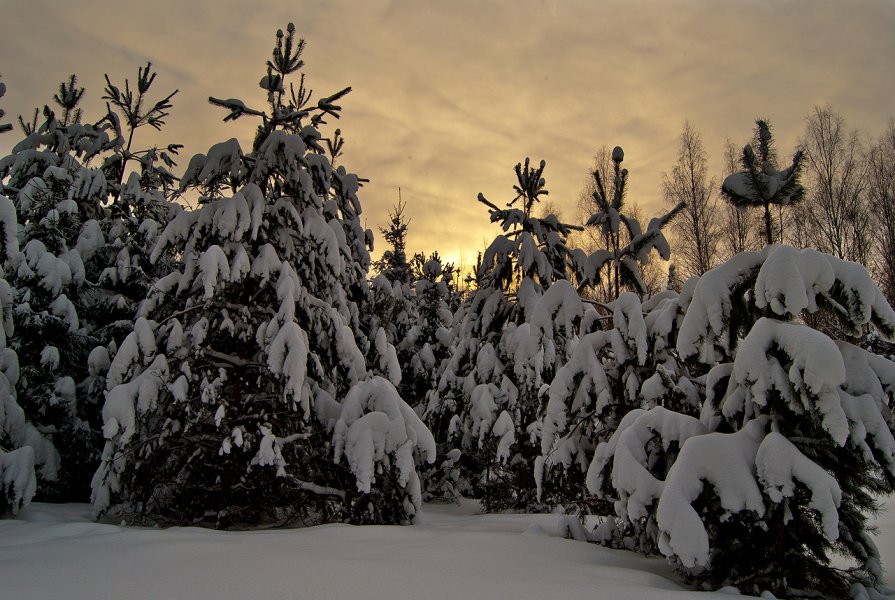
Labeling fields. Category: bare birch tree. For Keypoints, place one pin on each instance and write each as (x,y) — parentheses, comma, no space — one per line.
(696,230)
(881,199)
(836,212)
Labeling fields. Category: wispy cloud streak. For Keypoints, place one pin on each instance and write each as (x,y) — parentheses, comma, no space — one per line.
(450,95)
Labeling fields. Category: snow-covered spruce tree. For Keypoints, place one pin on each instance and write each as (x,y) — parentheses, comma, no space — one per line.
(21,444)
(610,373)
(53,195)
(62,208)
(243,397)
(617,366)
(619,264)
(394,264)
(629,471)
(579,393)
(393,308)
(799,437)
(761,182)
(509,339)
(427,343)
(19,439)
(628,467)
(471,361)
(141,188)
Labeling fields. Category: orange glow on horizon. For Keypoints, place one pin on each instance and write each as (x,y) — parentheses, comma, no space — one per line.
(449,97)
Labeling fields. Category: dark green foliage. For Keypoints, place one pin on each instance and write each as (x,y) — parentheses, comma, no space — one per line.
(394,264)
(85,237)
(618,264)
(761,183)
(238,398)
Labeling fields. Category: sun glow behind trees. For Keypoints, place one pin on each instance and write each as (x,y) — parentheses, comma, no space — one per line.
(446,95)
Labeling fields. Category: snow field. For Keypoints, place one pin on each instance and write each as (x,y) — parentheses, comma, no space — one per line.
(55,551)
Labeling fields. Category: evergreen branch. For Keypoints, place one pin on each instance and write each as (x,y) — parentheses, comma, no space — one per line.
(483,200)
(236,107)
(230,359)
(320,490)
(326,104)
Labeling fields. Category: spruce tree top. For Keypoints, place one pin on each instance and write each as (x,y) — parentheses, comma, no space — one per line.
(534,248)
(761,183)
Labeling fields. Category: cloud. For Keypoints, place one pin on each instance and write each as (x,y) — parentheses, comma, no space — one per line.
(449,95)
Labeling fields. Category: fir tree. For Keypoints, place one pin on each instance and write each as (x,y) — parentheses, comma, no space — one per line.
(393,306)
(628,470)
(425,351)
(620,362)
(615,370)
(243,396)
(426,345)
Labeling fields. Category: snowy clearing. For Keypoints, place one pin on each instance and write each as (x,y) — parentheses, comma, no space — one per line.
(55,551)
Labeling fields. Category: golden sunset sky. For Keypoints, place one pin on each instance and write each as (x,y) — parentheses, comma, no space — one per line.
(450,95)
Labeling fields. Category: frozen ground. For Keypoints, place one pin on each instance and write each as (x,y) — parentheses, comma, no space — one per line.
(454,553)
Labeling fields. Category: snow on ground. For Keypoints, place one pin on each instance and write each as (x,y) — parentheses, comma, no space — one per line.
(55,551)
